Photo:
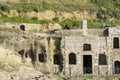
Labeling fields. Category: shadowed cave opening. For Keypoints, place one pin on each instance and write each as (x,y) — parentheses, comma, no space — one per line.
(21,52)
(57,59)
(42,58)
(22,27)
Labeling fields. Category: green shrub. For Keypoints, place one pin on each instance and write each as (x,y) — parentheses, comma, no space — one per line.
(71,23)
(14,19)
(93,23)
(56,19)
(4,16)
(4,7)
(99,23)
(35,18)
(36,9)
(23,0)
(60,5)
(20,19)
(102,13)
(116,13)
(46,21)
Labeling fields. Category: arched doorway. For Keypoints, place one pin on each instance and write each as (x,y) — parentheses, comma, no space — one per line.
(117,67)
(72,58)
(87,64)
(22,27)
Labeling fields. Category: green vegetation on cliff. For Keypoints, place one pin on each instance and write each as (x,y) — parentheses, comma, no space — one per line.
(105,11)
(60,5)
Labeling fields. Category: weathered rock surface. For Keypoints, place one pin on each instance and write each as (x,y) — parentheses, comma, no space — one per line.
(12,68)
(49,15)
(31,56)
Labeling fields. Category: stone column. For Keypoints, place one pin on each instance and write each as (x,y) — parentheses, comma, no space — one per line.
(51,53)
(84,24)
(65,56)
(66,63)
(84,27)
(66,60)
(79,64)
(36,45)
(95,63)
(25,50)
(47,41)
(95,56)
(110,61)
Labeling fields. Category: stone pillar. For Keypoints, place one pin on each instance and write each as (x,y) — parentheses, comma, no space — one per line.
(110,61)
(95,64)
(51,53)
(79,65)
(25,50)
(84,27)
(37,51)
(47,49)
(65,56)
(66,67)
(84,24)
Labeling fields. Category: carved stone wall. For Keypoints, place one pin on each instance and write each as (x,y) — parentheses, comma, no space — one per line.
(99,45)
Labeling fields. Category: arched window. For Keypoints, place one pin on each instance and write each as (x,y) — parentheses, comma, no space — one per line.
(102,59)
(57,59)
(87,47)
(22,27)
(116,42)
(117,67)
(42,57)
(72,58)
